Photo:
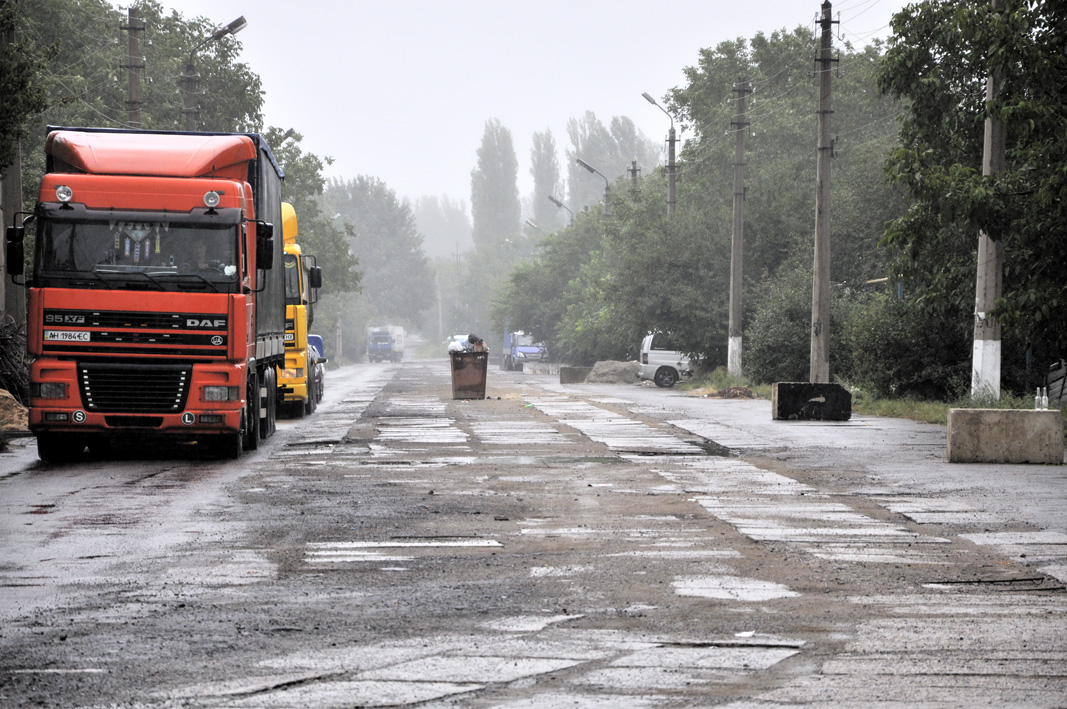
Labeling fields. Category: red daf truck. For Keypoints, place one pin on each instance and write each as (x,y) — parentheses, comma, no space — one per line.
(156,306)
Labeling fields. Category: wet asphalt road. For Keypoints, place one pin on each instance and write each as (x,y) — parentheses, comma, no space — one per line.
(583,546)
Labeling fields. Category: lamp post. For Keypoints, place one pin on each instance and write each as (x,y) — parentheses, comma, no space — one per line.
(670,156)
(560,205)
(607,185)
(191,112)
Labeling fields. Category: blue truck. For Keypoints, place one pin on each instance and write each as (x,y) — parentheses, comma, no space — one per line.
(385,343)
(519,348)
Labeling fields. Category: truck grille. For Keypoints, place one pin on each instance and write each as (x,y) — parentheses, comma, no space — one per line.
(134,388)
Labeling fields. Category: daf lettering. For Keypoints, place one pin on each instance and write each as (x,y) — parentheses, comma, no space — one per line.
(206,322)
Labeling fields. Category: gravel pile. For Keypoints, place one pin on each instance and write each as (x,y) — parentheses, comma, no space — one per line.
(611,372)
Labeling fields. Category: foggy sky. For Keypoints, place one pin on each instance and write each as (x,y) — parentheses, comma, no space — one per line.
(401,89)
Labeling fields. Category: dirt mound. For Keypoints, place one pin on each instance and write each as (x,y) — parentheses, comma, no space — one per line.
(611,372)
(12,413)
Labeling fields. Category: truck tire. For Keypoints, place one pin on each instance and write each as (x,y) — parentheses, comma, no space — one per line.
(230,445)
(251,417)
(268,414)
(59,447)
(311,403)
(665,377)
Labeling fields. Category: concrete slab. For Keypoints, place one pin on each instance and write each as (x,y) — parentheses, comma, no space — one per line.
(1005,436)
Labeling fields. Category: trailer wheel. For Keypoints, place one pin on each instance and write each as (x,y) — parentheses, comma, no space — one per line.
(251,414)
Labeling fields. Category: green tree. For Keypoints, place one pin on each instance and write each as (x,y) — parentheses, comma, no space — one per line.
(86,86)
(938,62)
(20,84)
(610,150)
(544,168)
(320,236)
(495,196)
(397,280)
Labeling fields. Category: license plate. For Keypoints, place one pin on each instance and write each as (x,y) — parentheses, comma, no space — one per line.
(66,335)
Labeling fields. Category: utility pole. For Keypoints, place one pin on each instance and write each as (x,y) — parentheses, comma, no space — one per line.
(985,363)
(633,173)
(733,357)
(134,66)
(671,167)
(820,295)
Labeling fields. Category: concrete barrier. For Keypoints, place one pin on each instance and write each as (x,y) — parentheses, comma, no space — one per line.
(1005,436)
(573,375)
(806,401)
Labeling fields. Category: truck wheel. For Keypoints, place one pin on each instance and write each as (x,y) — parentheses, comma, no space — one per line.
(268,413)
(251,418)
(230,445)
(312,403)
(59,447)
(665,377)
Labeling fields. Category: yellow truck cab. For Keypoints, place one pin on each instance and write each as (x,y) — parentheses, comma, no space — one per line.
(298,380)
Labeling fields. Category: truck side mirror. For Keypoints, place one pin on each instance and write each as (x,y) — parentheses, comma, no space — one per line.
(264,245)
(16,256)
(315,277)
(16,250)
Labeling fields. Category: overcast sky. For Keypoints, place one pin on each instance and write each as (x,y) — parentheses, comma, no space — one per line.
(401,89)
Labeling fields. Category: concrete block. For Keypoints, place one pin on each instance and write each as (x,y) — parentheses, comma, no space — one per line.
(1005,436)
(806,401)
(573,375)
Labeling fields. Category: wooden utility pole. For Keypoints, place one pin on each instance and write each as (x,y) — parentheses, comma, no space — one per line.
(134,66)
(733,357)
(820,297)
(985,362)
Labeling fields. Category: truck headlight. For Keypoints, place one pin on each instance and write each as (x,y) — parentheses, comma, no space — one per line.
(49,390)
(293,373)
(218,393)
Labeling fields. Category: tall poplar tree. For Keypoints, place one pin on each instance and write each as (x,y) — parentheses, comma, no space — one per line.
(544,167)
(495,195)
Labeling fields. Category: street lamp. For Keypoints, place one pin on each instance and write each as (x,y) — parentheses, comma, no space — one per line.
(534,226)
(607,185)
(670,156)
(190,110)
(560,205)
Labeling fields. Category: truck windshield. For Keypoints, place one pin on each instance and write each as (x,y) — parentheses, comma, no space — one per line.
(132,255)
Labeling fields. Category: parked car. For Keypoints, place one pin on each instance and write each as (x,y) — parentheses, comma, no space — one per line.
(661,361)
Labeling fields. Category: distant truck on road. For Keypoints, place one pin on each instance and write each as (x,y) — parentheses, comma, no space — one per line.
(385,343)
(519,348)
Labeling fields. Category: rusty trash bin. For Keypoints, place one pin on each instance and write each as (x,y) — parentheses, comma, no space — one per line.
(468,374)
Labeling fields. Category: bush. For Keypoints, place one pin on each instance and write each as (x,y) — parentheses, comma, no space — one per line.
(778,340)
(896,352)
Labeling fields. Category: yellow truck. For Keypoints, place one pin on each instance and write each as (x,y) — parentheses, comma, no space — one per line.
(299,382)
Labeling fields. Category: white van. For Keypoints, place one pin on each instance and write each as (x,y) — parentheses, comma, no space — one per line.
(661,362)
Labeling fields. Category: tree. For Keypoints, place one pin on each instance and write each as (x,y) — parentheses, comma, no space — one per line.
(544,168)
(397,280)
(20,85)
(938,62)
(495,196)
(86,85)
(444,225)
(320,236)
(611,151)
